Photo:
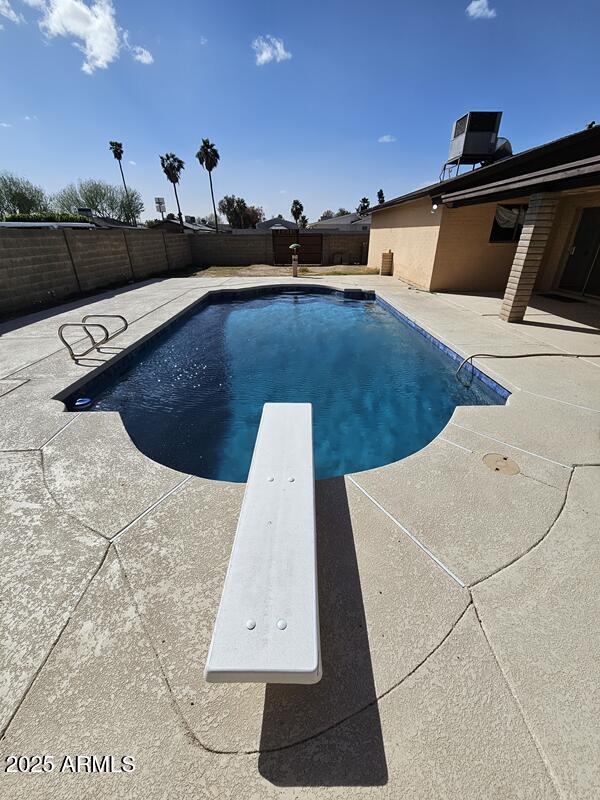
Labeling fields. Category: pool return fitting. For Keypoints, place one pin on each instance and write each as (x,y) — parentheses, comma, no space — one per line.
(85,326)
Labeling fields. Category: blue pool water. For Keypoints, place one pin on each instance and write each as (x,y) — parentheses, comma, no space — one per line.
(380,390)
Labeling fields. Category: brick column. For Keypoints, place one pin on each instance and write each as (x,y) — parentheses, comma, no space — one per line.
(530,251)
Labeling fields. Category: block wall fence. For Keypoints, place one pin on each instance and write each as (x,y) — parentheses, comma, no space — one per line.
(42,267)
(256,247)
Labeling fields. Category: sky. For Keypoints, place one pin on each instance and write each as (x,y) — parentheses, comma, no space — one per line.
(321,101)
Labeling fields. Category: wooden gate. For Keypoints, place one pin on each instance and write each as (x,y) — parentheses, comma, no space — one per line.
(311,246)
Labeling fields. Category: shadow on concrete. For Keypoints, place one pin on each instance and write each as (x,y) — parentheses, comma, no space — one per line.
(582,312)
(571,328)
(12,322)
(349,753)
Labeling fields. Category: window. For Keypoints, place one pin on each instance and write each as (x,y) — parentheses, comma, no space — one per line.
(508,222)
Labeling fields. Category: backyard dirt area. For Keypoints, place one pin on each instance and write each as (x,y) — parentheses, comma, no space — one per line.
(269,271)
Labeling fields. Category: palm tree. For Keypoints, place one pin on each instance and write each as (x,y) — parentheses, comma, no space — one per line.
(363,206)
(172,167)
(304,222)
(297,209)
(117,150)
(208,156)
(380,197)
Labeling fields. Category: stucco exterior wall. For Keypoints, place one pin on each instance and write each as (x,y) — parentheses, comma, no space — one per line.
(450,249)
(411,232)
(466,260)
(566,221)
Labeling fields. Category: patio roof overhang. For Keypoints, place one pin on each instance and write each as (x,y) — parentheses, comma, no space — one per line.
(577,174)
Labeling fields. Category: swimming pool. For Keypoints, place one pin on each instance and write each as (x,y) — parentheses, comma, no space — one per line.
(192,400)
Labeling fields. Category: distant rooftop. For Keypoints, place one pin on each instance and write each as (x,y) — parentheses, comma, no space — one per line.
(276,222)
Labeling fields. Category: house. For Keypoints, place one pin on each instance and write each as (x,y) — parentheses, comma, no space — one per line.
(529,221)
(345,222)
(173,226)
(277,223)
(224,227)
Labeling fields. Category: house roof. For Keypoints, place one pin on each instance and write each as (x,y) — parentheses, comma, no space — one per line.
(108,222)
(276,221)
(190,226)
(563,152)
(343,220)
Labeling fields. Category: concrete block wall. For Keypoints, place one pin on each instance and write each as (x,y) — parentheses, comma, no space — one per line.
(179,250)
(99,260)
(35,269)
(147,252)
(345,248)
(235,250)
(256,247)
(39,267)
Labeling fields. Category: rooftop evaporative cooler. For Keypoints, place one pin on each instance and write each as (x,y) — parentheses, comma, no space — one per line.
(474,137)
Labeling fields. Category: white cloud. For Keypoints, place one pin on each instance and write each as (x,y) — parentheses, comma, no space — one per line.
(269,48)
(92,27)
(142,55)
(283,191)
(386,138)
(5,125)
(203,40)
(480,9)
(7,11)
(133,163)
(30,117)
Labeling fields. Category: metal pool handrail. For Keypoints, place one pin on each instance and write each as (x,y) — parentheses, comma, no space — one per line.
(109,316)
(85,324)
(86,327)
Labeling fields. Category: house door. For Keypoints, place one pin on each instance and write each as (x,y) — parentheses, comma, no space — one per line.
(582,271)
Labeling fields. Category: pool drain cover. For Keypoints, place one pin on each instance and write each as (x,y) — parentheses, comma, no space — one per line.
(502,464)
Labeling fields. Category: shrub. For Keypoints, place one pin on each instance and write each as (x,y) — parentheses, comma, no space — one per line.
(48,216)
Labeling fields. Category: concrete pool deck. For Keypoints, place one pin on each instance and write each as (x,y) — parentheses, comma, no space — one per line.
(459,605)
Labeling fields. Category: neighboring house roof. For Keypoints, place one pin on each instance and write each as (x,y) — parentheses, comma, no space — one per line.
(278,222)
(571,161)
(344,221)
(109,222)
(192,227)
(224,227)
(52,225)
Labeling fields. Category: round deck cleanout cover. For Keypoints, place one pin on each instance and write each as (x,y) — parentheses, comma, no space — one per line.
(503,464)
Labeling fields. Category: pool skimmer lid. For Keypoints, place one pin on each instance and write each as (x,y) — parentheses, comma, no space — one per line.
(83,402)
(501,464)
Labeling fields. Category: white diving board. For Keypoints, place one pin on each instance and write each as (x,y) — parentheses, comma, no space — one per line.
(267,626)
